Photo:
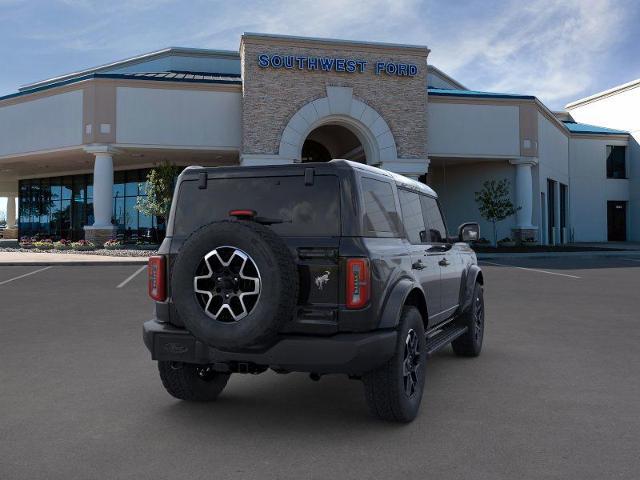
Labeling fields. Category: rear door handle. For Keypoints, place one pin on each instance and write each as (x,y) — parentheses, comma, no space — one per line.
(418,265)
(444,262)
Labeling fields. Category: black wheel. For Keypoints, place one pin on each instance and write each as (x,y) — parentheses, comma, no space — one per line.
(394,391)
(234,283)
(470,344)
(187,381)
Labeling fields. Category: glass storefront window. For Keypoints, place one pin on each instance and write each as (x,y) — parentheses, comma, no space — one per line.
(56,188)
(131,185)
(67,188)
(131,217)
(118,184)
(59,207)
(118,213)
(90,186)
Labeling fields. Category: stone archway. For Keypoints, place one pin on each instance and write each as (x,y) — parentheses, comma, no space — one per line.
(340,108)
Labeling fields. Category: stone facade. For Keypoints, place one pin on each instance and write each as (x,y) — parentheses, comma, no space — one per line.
(272,96)
(99,236)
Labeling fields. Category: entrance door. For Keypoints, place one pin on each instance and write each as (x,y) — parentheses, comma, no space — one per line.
(543,222)
(617,221)
(551,211)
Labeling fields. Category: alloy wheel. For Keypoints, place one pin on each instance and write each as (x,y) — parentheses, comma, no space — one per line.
(411,363)
(227,284)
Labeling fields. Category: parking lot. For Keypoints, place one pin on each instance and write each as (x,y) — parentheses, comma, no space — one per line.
(555,393)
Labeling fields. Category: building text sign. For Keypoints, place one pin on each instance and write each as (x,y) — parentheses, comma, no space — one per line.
(335,64)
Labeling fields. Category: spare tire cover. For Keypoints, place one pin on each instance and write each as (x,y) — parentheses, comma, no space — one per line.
(234,283)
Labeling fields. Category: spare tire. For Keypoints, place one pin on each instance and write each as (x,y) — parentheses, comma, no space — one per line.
(234,283)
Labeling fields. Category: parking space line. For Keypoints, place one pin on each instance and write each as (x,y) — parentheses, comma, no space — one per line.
(530,269)
(25,275)
(131,277)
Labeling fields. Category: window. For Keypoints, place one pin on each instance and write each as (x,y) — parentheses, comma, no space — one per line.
(616,167)
(305,210)
(60,207)
(412,216)
(433,219)
(381,216)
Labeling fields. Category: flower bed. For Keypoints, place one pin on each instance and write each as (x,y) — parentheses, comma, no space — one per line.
(62,245)
(83,245)
(113,245)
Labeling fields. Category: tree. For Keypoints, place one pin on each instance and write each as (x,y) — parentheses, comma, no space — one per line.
(160,183)
(494,203)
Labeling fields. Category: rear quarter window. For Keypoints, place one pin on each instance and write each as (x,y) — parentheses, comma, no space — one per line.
(305,210)
(381,217)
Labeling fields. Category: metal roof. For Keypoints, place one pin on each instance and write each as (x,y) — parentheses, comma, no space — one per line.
(176,75)
(474,93)
(187,77)
(585,128)
(132,61)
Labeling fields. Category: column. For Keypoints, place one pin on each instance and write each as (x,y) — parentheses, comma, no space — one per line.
(11,232)
(11,212)
(102,228)
(409,167)
(524,228)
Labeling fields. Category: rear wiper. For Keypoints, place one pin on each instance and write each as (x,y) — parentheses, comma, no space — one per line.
(270,221)
(251,215)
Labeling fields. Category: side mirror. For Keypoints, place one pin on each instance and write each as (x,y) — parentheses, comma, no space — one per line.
(468,232)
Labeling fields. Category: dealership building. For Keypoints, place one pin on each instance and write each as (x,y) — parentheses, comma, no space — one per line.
(75,149)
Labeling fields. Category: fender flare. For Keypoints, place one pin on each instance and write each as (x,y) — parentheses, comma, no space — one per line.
(395,300)
(473,274)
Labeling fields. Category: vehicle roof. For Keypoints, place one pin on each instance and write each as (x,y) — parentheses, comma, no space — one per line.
(400,180)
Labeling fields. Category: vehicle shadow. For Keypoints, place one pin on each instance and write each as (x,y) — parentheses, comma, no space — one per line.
(272,403)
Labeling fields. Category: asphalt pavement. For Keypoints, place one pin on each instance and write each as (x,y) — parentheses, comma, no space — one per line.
(555,393)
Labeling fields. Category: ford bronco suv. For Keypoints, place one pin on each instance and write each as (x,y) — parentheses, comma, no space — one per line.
(333,267)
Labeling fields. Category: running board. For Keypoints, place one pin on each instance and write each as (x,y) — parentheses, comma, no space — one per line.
(443,338)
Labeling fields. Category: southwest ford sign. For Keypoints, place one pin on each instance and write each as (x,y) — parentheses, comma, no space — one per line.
(334,64)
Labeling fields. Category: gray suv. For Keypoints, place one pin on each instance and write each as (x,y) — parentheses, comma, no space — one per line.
(323,268)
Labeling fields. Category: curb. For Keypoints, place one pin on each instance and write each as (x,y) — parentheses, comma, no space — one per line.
(617,253)
(88,263)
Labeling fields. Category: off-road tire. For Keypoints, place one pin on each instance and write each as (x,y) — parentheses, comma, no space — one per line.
(470,343)
(191,382)
(384,387)
(279,285)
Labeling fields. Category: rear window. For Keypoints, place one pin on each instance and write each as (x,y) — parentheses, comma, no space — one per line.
(306,210)
(380,214)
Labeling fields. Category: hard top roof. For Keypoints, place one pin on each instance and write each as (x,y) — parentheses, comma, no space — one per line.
(233,171)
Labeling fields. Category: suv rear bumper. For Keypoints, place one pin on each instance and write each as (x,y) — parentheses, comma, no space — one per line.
(350,353)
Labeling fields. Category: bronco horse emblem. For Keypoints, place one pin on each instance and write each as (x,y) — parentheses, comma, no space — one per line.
(322,280)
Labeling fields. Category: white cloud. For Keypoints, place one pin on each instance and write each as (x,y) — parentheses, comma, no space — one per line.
(548,48)
(545,48)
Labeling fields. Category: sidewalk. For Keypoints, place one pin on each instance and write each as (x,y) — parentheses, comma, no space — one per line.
(635,254)
(35,259)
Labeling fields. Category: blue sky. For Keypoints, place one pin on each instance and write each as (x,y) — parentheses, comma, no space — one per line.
(557,50)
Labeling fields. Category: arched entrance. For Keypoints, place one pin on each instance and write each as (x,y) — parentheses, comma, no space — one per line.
(332,141)
(337,126)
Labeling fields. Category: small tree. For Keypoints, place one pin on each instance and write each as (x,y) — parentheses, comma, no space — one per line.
(160,183)
(494,203)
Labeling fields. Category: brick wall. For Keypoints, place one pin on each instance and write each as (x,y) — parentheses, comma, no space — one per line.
(271,96)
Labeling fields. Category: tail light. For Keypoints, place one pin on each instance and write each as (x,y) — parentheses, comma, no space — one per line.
(358,287)
(157,278)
